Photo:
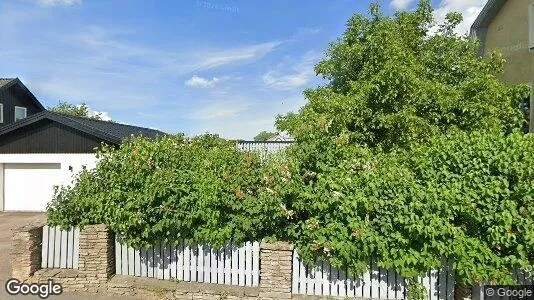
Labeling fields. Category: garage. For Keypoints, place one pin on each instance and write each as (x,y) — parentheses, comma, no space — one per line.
(29,186)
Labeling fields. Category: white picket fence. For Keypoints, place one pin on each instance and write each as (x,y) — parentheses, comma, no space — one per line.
(267,147)
(232,264)
(60,248)
(378,283)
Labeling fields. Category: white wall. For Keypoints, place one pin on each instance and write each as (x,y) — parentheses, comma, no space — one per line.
(70,165)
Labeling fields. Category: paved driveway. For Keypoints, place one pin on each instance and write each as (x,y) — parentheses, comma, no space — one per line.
(9,221)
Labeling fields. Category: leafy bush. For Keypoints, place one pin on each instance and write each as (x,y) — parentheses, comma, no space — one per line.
(465,197)
(199,189)
(402,154)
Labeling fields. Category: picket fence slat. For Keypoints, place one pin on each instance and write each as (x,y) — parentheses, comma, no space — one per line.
(255,263)
(227,265)
(241,266)
(366,286)
(60,248)
(248,264)
(220,265)
(231,264)
(44,248)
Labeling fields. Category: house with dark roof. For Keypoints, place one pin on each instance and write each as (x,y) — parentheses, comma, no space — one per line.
(508,26)
(40,149)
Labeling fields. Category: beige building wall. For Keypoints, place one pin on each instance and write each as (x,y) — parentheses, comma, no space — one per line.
(509,33)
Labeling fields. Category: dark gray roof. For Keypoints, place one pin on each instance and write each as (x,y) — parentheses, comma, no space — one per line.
(5,81)
(109,131)
(121,131)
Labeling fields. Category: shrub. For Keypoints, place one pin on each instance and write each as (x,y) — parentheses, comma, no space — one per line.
(198,189)
(465,197)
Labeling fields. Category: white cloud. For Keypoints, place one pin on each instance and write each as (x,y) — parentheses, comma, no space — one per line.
(296,76)
(102,114)
(109,48)
(400,4)
(200,82)
(287,82)
(93,113)
(212,59)
(468,8)
(59,2)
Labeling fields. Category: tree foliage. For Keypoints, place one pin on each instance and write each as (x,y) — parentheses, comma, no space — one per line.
(81,110)
(264,136)
(409,154)
(465,197)
(393,84)
(200,189)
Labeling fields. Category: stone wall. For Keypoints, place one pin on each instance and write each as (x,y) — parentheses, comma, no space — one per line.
(96,272)
(26,250)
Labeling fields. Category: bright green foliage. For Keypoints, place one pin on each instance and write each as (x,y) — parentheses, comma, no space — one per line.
(465,197)
(199,189)
(403,155)
(69,109)
(392,84)
(264,136)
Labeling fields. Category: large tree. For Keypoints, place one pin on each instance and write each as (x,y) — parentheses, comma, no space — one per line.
(395,81)
(409,154)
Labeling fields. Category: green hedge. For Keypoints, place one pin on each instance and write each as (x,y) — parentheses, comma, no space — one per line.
(198,189)
(466,197)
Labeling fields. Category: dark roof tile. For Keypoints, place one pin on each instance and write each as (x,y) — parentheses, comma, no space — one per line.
(108,131)
(118,130)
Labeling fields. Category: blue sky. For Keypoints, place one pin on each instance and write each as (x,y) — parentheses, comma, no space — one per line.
(193,66)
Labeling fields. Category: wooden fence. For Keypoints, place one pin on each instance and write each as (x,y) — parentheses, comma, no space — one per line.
(232,264)
(60,248)
(378,283)
(263,147)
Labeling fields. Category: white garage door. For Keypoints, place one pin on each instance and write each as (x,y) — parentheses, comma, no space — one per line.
(30,186)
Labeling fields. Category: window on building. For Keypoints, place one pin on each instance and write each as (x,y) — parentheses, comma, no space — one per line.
(20,113)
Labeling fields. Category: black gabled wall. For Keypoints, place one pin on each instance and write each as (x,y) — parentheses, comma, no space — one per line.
(16,96)
(47,136)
